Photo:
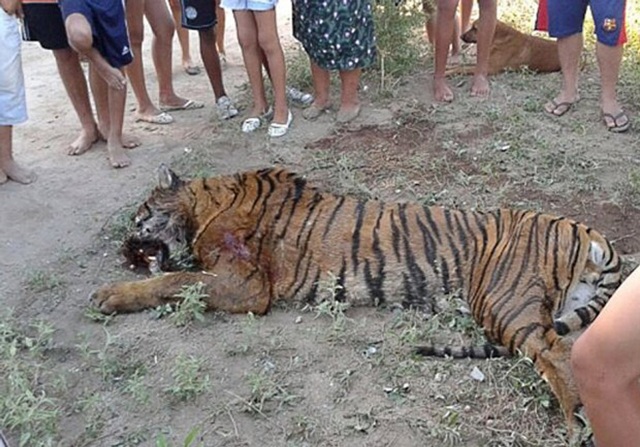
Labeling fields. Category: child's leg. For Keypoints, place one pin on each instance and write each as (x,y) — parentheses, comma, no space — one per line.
(117,156)
(100,91)
(486,28)
(269,42)
(146,109)
(183,37)
(445,18)
(159,18)
(81,40)
(76,86)
(465,15)
(248,40)
(211,60)
(220,29)
(9,169)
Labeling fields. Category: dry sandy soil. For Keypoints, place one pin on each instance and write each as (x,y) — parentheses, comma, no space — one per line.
(296,377)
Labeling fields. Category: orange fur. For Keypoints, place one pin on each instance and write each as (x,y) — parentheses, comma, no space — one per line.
(513,50)
(267,235)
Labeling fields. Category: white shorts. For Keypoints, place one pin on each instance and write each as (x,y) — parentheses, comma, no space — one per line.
(249,5)
(13,105)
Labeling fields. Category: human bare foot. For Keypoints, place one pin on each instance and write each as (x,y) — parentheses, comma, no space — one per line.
(441,90)
(190,68)
(130,141)
(347,112)
(3,177)
(480,86)
(117,155)
(112,76)
(84,142)
(18,173)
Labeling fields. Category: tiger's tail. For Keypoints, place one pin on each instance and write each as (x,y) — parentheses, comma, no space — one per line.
(485,351)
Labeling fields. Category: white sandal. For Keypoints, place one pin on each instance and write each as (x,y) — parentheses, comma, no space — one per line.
(255,122)
(280,130)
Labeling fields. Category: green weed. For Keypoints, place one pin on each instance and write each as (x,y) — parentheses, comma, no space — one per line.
(189,381)
(191,306)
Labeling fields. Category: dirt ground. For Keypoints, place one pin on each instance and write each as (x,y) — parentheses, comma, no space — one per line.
(296,377)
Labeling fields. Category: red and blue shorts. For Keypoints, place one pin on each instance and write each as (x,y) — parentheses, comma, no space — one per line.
(563,18)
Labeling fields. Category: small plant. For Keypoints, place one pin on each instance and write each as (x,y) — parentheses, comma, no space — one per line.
(191,440)
(331,307)
(95,315)
(188,378)
(41,281)
(191,306)
(264,389)
(134,386)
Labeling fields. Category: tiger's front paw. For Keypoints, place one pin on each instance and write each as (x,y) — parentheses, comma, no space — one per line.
(111,299)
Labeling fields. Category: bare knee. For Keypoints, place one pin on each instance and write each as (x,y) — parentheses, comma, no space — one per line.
(446,9)
(247,41)
(79,33)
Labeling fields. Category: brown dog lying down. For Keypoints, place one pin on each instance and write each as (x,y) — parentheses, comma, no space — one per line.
(512,49)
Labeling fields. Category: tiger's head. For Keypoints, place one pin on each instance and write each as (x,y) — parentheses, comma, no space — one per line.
(164,219)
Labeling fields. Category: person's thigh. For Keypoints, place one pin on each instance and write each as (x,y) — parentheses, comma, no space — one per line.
(159,17)
(566,17)
(608,17)
(614,336)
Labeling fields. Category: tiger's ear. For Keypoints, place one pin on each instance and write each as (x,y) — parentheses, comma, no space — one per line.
(167,179)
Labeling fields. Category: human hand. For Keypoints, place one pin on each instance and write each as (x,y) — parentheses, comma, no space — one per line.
(12,7)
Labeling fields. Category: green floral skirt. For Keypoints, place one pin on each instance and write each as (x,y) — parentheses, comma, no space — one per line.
(336,34)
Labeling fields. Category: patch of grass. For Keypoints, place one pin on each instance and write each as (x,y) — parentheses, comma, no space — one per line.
(189,381)
(26,405)
(190,440)
(41,281)
(267,388)
(399,37)
(191,306)
(330,307)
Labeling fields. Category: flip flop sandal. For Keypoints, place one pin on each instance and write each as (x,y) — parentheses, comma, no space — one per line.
(559,108)
(189,105)
(617,128)
(277,130)
(160,118)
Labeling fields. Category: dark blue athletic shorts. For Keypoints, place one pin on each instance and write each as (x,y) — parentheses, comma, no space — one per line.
(43,23)
(566,18)
(108,25)
(198,14)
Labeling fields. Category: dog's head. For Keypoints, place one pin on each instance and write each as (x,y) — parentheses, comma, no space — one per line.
(502,31)
(471,35)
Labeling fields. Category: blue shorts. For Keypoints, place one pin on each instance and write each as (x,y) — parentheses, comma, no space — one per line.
(198,14)
(249,5)
(108,26)
(566,18)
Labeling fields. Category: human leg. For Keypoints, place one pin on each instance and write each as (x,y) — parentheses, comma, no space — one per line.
(75,85)
(248,39)
(146,110)
(486,27)
(349,102)
(9,169)
(269,43)
(159,18)
(606,365)
(466,6)
(183,39)
(321,89)
(81,40)
(445,16)
(220,27)
(569,50)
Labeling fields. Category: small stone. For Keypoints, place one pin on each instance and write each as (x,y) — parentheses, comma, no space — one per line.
(298,319)
(476,374)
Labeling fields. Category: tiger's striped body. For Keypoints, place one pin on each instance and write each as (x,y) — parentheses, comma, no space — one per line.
(265,236)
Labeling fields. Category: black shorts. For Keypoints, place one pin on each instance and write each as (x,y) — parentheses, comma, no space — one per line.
(198,14)
(43,23)
(108,26)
